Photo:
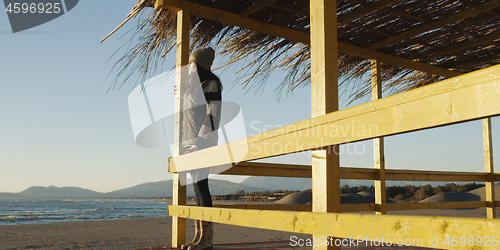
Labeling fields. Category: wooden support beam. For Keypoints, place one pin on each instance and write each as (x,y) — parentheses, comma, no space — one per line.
(324,100)
(182,59)
(365,10)
(461,46)
(342,225)
(229,18)
(298,12)
(436,24)
(256,7)
(378,144)
(468,97)
(488,166)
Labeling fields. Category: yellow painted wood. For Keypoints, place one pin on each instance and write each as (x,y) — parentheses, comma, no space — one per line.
(463,45)
(388,227)
(365,10)
(488,166)
(324,99)
(363,207)
(460,99)
(229,18)
(256,7)
(436,24)
(281,207)
(182,59)
(378,144)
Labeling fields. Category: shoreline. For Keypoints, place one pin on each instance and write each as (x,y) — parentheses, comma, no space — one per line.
(155,232)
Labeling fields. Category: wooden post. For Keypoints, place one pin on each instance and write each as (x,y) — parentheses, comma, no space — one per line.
(378,145)
(488,165)
(182,59)
(324,99)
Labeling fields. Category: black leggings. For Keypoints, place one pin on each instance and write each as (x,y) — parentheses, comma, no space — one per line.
(203,197)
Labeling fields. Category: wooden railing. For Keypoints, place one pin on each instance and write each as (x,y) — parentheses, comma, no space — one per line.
(459,99)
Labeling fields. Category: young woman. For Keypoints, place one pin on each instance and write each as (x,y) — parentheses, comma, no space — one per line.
(201,116)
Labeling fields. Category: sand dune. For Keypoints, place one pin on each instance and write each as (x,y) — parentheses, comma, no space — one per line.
(452,197)
(481,192)
(306,198)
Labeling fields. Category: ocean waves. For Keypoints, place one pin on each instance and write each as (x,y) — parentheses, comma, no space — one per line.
(37,211)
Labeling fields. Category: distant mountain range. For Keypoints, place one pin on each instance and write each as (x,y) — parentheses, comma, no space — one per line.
(151,189)
(217,187)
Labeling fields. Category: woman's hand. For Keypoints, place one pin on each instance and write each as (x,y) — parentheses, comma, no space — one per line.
(191,149)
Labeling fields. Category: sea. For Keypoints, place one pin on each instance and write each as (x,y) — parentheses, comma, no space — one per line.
(38,211)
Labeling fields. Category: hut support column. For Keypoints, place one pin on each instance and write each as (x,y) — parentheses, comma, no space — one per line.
(182,59)
(378,144)
(324,99)
(488,165)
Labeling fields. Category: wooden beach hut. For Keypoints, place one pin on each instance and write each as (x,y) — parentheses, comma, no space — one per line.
(437,58)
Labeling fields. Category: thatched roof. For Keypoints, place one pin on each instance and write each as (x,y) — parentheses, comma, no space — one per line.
(458,36)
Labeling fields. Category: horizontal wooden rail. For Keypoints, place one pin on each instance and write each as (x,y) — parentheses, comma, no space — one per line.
(363,207)
(304,171)
(389,227)
(435,205)
(460,99)
(269,169)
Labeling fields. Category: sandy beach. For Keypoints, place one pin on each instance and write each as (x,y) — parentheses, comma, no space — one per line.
(143,233)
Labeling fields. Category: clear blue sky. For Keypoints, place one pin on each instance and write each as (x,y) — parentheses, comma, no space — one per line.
(59,126)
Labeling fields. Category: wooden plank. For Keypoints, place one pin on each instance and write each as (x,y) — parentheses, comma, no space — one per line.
(360,12)
(464,98)
(461,46)
(281,207)
(488,166)
(378,144)
(344,225)
(324,99)
(269,169)
(229,18)
(414,175)
(395,60)
(304,171)
(435,205)
(363,207)
(256,7)
(182,59)
(436,24)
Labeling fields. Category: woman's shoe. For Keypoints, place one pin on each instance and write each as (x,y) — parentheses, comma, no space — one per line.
(197,235)
(206,240)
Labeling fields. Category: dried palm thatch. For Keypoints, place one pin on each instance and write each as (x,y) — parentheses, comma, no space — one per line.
(465,45)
